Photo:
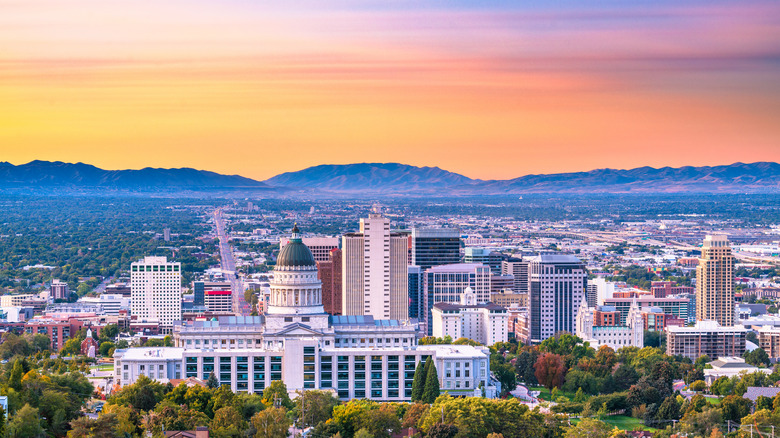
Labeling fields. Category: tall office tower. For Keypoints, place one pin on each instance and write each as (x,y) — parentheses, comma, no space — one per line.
(59,290)
(447,283)
(374,271)
(155,285)
(167,234)
(557,286)
(320,247)
(518,268)
(415,292)
(484,256)
(329,272)
(592,294)
(715,282)
(435,246)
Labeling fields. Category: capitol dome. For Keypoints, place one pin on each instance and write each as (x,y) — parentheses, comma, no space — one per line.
(295,253)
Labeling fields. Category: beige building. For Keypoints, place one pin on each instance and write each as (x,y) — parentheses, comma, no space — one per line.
(715,282)
(485,323)
(374,271)
(507,298)
(706,338)
(769,341)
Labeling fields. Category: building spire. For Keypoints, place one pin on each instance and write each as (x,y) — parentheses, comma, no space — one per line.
(296,233)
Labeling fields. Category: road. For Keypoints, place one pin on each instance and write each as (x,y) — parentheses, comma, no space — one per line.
(228,265)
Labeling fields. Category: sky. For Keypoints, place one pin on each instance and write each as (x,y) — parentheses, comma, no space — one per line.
(488,89)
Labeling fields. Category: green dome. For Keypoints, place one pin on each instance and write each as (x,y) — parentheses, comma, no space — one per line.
(295,253)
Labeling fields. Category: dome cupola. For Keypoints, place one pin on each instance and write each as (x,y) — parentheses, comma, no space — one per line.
(295,253)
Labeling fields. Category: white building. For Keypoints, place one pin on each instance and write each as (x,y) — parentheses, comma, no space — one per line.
(614,336)
(374,271)
(356,356)
(110,304)
(485,323)
(446,284)
(730,367)
(155,285)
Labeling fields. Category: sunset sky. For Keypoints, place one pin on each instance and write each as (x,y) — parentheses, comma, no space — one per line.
(489,89)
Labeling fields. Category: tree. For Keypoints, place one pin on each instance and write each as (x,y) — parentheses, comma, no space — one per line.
(431,391)
(382,421)
(15,380)
(277,391)
(505,373)
(669,410)
(212,383)
(110,331)
(757,357)
(625,376)
(107,348)
(418,384)
(579,396)
(589,427)
(26,424)
(735,407)
(2,421)
(698,386)
(271,423)
(442,431)
(228,423)
(413,415)
(315,406)
(549,370)
(363,433)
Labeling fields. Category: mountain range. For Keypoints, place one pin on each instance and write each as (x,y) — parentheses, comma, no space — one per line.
(397,179)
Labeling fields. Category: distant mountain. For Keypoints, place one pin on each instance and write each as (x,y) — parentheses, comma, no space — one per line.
(56,174)
(374,177)
(735,178)
(394,178)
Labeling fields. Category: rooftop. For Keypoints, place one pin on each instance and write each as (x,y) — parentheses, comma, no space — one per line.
(457,267)
(151,352)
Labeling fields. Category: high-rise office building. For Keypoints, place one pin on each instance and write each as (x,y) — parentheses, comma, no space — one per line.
(415,289)
(557,286)
(320,246)
(435,246)
(374,271)
(329,273)
(448,283)
(518,269)
(484,256)
(715,282)
(155,285)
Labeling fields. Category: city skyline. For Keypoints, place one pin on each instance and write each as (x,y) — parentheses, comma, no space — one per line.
(547,88)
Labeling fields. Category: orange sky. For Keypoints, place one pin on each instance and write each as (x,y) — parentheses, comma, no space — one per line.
(237,87)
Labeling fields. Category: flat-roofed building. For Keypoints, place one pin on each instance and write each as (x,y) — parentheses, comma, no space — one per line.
(484,323)
(705,338)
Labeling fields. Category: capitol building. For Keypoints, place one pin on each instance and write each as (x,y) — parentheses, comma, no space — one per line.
(297,342)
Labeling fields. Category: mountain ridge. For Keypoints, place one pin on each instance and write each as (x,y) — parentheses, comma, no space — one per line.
(371,179)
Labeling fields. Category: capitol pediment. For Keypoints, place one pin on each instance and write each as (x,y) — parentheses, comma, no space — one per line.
(297,329)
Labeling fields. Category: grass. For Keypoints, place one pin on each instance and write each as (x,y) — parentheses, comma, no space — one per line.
(103,367)
(545,394)
(713,400)
(622,422)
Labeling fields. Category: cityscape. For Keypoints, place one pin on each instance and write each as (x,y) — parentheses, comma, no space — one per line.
(389,219)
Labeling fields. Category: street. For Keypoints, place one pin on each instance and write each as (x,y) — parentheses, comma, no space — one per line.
(228,265)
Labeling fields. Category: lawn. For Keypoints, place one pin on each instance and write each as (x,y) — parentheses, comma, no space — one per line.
(545,394)
(625,422)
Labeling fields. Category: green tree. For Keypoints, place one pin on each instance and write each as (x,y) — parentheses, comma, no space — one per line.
(579,396)
(2,421)
(443,431)
(589,427)
(212,383)
(228,423)
(315,406)
(15,380)
(418,384)
(26,424)
(757,357)
(271,423)
(277,390)
(431,391)
(735,407)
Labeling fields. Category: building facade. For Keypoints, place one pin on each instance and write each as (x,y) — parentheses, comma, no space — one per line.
(485,256)
(374,271)
(58,290)
(603,331)
(435,246)
(519,270)
(330,274)
(715,282)
(484,323)
(447,283)
(557,286)
(320,246)
(706,338)
(155,285)
(670,305)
